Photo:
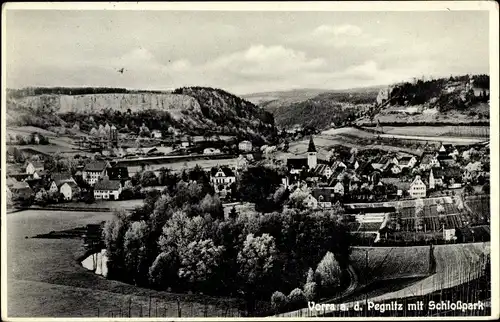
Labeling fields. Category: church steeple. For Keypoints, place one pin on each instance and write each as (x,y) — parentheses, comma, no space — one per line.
(312,160)
(312,147)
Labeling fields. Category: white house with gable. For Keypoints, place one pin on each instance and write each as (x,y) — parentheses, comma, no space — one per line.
(417,188)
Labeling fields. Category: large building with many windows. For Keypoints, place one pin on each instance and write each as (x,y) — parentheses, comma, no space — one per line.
(417,188)
(94,171)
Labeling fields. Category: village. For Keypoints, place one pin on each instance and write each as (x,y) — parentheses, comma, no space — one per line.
(355,180)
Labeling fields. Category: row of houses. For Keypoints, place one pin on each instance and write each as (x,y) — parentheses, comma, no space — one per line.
(330,181)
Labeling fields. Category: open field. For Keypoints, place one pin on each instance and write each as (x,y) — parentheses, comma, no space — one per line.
(116,204)
(44,279)
(454,263)
(27,130)
(452,131)
(415,134)
(48,149)
(386,263)
(242,208)
(479,207)
(349,137)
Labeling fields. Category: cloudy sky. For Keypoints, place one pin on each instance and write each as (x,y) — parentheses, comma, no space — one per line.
(242,52)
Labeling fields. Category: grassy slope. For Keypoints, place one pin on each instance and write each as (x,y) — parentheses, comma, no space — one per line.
(453,263)
(44,279)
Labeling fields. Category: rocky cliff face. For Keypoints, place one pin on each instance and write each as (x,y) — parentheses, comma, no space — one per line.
(192,110)
(94,103)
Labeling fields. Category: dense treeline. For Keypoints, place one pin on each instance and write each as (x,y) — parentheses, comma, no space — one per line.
(32,91)
(180,240)
(366,97)
(416,93)
(232,114)
(322,110)
(315,113)
(125,122)
(421,92)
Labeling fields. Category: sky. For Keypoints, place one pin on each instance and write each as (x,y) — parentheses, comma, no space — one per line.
(241,52)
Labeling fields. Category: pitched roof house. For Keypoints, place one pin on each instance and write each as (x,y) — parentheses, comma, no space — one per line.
(221,178)
(417,188)
(107,189)
(68,189)
(33,166)
(428,161)
(94,171)
(58,179)
(407,162)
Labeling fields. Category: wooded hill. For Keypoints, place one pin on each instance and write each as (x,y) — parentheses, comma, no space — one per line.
(190,110)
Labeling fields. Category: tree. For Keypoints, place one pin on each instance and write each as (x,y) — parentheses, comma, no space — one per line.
(329,271)
(419,209)
(148,179)
(233,214)
(310,276)
(163,271)
(286,146)
(468,190)
(280,196)
(41,197)
(297,299)
(162,212)
(213,206)
(257,261)
(258,183)
(199,262)
(310,288)
(136,251)
(174,233)
(278,301)
(18,156)
(144,131)
(113,235)
(297,198)
(310,291)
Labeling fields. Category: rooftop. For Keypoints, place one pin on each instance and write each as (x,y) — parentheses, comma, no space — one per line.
(311,147)
(95,166)
(107,185)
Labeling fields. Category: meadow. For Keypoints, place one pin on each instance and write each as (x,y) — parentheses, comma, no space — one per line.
(45,278)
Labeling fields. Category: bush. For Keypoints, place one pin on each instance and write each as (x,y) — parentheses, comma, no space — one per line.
(297,299)
(278,301)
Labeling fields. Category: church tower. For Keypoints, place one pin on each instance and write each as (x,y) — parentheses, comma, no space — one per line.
(113,137)
(312,160)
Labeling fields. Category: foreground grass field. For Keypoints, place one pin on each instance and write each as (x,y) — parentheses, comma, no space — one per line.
(374,264)
(115,204)
(454,264)
(44,277)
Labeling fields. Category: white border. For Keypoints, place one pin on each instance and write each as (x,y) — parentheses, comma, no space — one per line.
(490,6)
